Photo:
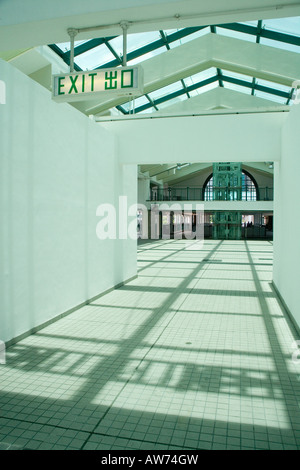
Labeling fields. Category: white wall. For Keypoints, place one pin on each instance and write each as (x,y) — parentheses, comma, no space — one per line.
(57,166)
(220,138)
(263,180)
(286,216)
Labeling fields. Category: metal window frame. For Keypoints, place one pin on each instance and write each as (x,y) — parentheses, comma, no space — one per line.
(166,39)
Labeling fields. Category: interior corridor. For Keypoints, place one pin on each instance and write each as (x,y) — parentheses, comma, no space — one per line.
(195,353)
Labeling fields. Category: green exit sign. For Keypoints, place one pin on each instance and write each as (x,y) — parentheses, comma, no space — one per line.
(78,86)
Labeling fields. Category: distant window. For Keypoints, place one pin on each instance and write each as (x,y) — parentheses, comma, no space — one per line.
(248,188)
(249,192)
(208,190)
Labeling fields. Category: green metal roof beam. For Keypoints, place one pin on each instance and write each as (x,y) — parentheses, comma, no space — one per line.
(259,29)
(266,33)
(112,50)
(282,37)
(87,46)
(213,79)
(167,39)
(253,86)
(180,92)
(62,55)
(152,46)
(164,38)
(151,102)
(290,96)
(185,88)
(262,88)
(220,75)
(120,108)
(57,50)
(177,93)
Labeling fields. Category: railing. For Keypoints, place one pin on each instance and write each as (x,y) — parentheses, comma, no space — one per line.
(243,193)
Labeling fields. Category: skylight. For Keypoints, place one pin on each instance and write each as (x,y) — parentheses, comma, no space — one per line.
(235,34)
(166,90)
(190,37)
(238,76)
(284,25)
(199,77)
(65,46)
(107,52)
(280,45)
(94,57)
(239,88)
(146,56)
(271,97)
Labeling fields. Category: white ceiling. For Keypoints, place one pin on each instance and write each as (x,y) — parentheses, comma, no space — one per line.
(33,22)
(212,50)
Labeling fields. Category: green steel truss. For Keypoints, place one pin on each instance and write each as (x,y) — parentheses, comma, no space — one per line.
(166,40)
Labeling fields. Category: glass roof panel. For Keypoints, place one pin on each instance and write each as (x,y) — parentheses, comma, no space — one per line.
(126,106)
(65,46)
(171,31)
(233,86)
(204,89)
(94,57)
(270,96)
(238,76)
(165,90)
(137,40)
(117,44)
(131,105)
(148,110)
(199,77)
(284,25)
(135,103)
(277,86)
(140,101)
(172,101)
(193,93)
(249,23)
(280,45)
(175,44)
(189,38)
(236,34)
(275,28)
(146,56)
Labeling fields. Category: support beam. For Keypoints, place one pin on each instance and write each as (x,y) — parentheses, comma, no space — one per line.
(30,26)
(72,33)
(124,25)
(211,50)
(231,141)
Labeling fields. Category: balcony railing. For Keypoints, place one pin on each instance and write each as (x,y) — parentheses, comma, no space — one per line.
(243,193)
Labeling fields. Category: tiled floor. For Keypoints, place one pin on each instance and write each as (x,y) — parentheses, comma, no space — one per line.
(196,353)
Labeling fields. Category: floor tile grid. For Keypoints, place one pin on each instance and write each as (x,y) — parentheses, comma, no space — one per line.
(210,436)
